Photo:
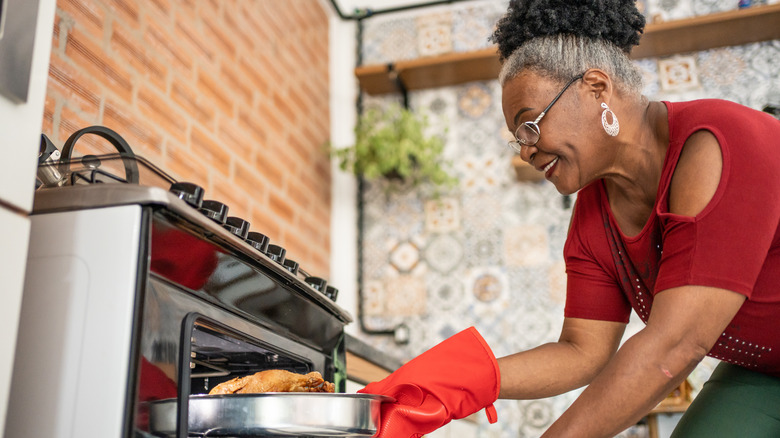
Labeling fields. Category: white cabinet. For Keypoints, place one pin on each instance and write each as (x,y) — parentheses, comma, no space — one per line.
(14,229)
(20,130)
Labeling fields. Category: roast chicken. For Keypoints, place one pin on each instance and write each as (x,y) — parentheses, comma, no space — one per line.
(274,381)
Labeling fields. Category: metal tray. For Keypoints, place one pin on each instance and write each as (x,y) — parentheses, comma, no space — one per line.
(272,414)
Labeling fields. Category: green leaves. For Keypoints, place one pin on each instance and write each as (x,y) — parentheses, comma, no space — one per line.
(392,144)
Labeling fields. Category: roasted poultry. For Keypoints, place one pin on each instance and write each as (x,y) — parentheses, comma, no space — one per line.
(274,381)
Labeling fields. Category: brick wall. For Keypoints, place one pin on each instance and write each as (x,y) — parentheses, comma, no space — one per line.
(229,94)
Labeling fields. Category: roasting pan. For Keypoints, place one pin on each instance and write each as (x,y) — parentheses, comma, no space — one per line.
(272,414)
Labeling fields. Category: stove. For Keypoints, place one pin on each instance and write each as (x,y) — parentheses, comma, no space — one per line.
(138,289)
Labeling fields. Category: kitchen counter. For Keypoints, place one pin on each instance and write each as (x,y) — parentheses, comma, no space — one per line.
(366,364)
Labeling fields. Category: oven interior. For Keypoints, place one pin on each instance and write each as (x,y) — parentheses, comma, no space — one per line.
(218,353)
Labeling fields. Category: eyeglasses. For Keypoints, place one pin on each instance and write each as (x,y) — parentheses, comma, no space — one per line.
(528,133)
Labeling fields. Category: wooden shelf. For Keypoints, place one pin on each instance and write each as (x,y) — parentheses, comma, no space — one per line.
(429,72)
(732,28)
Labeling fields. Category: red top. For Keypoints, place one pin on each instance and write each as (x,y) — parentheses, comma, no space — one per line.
(734,243)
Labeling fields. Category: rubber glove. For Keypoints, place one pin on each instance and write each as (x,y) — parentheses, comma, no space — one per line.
(452,380)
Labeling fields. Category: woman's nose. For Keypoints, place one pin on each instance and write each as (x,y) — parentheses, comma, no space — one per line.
(527,153)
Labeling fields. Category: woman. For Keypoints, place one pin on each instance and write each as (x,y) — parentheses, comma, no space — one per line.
(676,217)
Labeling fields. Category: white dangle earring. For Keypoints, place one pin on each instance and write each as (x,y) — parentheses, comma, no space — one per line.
(611,128)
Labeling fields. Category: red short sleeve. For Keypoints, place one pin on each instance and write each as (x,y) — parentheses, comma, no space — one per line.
(592,291)
(725,245)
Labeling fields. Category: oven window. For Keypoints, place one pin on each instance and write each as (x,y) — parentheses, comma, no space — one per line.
(218,354)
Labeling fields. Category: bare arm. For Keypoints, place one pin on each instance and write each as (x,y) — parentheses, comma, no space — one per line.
(652,363)
(583,349)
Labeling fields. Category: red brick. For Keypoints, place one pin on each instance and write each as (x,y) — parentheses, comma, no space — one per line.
(187,98)
(216,92)
(127,11)
(206,148)
(155,107)
(97,63)
(72,86)
(253,124)
(229,94)
(161,41)
(163,6)
(249,179)
(263,221)
(266,164)
(134,52)
(185,167)
(225,46)
(238,202)
(232,78)
(237,141)
(253,72)
(281,105)
(281,206)
(87,15)
(70,122)
(185,31)
(142,139)
(243,39)
(49,108)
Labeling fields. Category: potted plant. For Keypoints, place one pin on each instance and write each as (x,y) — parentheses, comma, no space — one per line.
(392,144)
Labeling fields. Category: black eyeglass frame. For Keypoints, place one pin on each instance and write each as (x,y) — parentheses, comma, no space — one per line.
(517,143)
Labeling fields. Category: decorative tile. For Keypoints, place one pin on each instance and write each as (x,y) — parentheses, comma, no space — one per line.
(444,253)
(474,100)
(487,283)
(667,10)
(374,298)
(704,7)
(484,173)
(526,245)
(445,294)
(678,73)
(405,295)
(649,70)
(481,211)
(404,257)
(434,34)
(472,26)
(484,247)
(388,41)
(442,215)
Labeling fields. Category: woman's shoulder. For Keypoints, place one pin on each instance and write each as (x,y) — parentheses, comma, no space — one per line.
(717,112)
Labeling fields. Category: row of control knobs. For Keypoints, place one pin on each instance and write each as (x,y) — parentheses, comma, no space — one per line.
(192,194)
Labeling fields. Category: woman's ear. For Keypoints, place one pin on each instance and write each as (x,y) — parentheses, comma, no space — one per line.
(598,82)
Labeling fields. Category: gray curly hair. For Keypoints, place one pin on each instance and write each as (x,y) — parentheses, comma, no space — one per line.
(563,56)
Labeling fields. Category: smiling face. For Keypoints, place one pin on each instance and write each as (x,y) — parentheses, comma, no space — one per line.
(568,149)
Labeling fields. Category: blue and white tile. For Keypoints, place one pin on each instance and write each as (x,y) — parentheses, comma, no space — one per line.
(444,252)
(442,215)
(434,34)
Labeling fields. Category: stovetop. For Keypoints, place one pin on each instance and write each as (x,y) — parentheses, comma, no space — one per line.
(124,179)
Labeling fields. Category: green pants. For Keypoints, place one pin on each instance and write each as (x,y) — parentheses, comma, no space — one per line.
(734,403)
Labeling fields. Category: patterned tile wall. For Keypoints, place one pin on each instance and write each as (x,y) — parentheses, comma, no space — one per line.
(489,253)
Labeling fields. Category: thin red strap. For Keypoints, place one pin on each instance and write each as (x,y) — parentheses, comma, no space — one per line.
(491,414)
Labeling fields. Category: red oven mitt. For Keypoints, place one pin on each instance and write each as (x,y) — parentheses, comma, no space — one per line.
(452,380)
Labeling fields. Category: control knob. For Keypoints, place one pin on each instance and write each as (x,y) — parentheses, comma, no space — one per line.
(317,283)
(331,292)
(291,265)
(215,211)
(276,253)
(237,226)
(258,241)
(190,193)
